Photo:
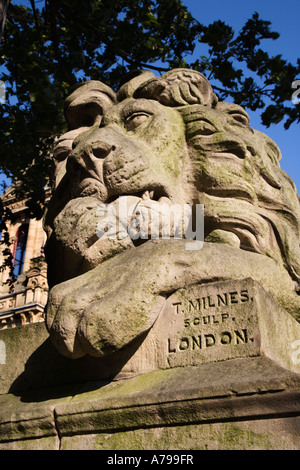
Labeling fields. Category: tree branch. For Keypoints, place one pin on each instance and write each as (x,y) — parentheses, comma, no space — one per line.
(55,42)
(35,17)
(124,56)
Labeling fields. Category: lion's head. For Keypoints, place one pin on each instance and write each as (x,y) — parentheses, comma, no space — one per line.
(168,140)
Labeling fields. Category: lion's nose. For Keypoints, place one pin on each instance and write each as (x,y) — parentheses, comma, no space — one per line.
(101,149)
(87,156)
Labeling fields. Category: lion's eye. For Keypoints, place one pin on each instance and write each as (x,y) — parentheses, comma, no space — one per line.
(135,120)
(242,118)
(205,128)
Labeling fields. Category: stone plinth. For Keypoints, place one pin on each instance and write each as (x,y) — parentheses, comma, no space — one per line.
(235,404)
(218,370)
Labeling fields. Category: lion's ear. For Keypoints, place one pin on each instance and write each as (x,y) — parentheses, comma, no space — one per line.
(179,87)
(86,105)
(133,81)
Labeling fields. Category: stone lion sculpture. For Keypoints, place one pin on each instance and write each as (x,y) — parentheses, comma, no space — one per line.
(157,141)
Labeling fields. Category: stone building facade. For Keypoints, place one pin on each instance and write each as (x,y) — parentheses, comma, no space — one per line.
(25,300)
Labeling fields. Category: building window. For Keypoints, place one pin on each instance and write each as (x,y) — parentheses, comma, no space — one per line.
(19,249)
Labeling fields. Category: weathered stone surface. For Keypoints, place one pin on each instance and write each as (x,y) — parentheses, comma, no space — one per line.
(41,366)
(161,141)
(277,434)
(27,339)
(219,321)
(196,325)
(95,317)
(245,403)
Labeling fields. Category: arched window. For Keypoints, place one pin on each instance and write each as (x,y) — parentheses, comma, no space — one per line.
(19,249)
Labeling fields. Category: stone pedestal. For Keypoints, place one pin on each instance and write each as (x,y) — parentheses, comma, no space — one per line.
(220,369)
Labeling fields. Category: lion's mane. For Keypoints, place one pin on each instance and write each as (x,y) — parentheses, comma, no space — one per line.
(237,169)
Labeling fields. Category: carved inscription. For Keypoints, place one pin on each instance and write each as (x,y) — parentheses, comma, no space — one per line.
(210,324)
(211,301)
(207,340)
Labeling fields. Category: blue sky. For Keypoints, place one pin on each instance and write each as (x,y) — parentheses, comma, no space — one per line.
(284,16)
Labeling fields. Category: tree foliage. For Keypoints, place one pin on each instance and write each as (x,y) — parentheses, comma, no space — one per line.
(49,46)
